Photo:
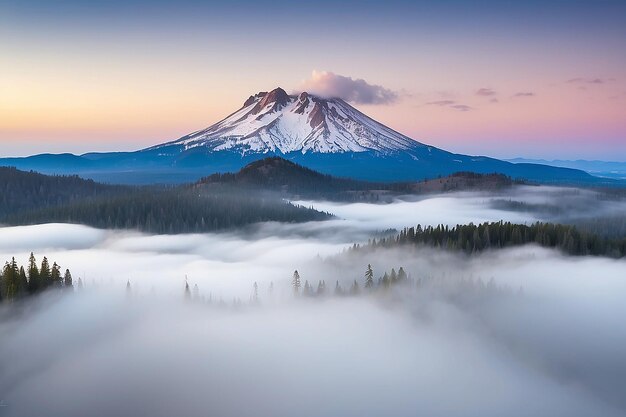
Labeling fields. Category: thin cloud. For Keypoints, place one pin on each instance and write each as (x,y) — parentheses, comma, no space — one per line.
(450,104)
(330,85)
(461,107)
(582,80)
(524,94)
(485,92)
(441,103)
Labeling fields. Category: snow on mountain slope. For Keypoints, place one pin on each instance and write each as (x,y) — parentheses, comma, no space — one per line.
(276,122)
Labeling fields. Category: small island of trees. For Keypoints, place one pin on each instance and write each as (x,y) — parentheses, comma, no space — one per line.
(17,281)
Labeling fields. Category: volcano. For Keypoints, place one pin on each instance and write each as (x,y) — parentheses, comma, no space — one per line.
(277,123)
(325,134)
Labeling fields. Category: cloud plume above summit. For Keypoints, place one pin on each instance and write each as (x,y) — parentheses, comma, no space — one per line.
(358,91)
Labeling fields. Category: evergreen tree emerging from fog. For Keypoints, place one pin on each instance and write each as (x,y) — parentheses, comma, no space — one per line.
(17,282)
(369,277)
(295,282)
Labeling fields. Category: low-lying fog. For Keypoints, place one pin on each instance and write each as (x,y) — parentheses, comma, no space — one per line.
(554,348)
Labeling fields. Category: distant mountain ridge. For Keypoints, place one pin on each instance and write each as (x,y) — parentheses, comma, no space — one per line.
(609,169)
(327,135)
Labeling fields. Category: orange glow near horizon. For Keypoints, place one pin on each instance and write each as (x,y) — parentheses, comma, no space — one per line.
(119,111)
(93,87)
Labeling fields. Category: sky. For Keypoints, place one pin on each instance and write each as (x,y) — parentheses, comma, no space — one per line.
(499,78)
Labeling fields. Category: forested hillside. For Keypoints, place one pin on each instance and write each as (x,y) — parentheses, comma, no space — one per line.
(32,198)
(218,202)
(171,211)
(280,175)
(22,190)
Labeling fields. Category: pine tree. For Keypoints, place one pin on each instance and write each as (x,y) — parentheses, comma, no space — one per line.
(187,291)
(22,284)
(338,289)
(308,290)
(33,275)
(321,288)
(255,292)
(45,275)
(386,281)
(295,282)
(354,290)
(4,281)
(196,292)
(369,277)
(10,280)
(55,275)
(402,275)
(486,237)
(14,280)
(67,280)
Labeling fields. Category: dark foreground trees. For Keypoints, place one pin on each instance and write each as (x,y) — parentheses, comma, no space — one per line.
(18,282)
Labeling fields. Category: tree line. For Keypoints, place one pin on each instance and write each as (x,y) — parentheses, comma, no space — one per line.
(33,198)
(384,281)
(23,191)
(17,281)
(473,238)
(388,286)
(179,210)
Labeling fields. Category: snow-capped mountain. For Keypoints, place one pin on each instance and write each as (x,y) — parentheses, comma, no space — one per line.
(275,122)
(327,135)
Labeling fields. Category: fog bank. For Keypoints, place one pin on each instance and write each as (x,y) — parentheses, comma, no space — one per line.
(517,332)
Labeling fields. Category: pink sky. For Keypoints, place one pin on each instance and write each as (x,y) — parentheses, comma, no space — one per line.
(529,88)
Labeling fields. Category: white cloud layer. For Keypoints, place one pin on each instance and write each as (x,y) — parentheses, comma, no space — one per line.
(556,350)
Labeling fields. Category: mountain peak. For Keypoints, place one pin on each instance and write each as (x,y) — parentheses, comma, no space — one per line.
(276,123)
(275,100)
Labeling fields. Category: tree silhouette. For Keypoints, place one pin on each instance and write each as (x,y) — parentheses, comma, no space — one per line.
(55,275)
(295,282)
(402,277)
(33,274)
(354,289)
(45,275)
(67,280)
(308,290)
(187,290)
(369,277)
(255,292)
(321,288)
(338,289)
